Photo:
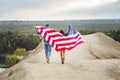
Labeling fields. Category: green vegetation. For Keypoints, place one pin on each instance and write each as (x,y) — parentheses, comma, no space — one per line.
(13,44)
(20,51)
(115,34)
(9,41)
(11,60)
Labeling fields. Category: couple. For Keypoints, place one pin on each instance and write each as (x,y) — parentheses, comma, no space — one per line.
(44,33)
(48,49)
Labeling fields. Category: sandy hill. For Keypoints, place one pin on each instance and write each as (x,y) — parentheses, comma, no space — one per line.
(97,59)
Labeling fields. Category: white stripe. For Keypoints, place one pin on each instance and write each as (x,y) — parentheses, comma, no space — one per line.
(70,45)
(65,41)
(43,32)
(54,46)
(59,37)
(39,30)
(54,38)
(51,40)
(46,37)
(51,34)
(68,41)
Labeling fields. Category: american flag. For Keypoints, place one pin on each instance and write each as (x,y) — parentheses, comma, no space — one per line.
(57,40)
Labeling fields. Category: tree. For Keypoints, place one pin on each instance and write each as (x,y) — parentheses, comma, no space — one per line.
(20,51)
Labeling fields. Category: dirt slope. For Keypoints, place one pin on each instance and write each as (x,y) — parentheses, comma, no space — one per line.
(97,59)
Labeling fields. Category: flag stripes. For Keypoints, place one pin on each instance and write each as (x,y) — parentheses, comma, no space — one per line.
(57,40)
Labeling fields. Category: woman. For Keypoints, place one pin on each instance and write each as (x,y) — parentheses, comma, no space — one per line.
(62,52)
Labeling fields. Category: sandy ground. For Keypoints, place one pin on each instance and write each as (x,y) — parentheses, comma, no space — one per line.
(97,59)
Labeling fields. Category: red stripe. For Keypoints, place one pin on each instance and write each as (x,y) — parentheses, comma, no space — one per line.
(51,31)
(64,48)
(52,37)
(41,30)
(62,38)
(67,44)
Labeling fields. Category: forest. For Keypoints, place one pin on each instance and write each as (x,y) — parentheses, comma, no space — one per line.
(115,34)
(13,44)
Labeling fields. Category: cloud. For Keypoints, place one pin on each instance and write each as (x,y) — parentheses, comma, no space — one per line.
(30,9)
(105,10)
(87,3)
(62,9)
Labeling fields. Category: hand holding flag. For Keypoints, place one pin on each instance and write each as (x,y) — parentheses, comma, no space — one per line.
(57,40)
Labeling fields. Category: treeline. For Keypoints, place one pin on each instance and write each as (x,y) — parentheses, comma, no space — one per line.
(115,34)
(10,41)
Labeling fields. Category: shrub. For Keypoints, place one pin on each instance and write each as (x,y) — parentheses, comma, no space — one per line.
(11,60)
(20,51)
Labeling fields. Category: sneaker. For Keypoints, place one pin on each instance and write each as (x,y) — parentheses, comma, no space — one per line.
(48,60)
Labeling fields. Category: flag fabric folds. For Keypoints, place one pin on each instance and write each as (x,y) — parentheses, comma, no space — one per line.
(58,41)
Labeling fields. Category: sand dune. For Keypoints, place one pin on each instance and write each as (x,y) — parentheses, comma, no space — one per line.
(97,59)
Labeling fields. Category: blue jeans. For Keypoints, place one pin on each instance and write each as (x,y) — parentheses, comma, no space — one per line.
(47,48)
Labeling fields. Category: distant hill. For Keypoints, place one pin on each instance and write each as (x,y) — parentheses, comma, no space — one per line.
(27,26)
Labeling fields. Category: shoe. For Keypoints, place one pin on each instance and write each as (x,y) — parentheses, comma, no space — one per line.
(62,61)
(48,60)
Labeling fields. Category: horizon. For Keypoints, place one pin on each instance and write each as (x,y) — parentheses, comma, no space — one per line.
(67,19)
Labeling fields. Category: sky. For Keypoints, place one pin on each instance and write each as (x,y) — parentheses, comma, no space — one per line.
(59,9)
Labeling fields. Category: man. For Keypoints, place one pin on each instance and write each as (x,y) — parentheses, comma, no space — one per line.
(47,48)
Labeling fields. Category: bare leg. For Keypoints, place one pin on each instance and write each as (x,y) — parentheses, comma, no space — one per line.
(62,53)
